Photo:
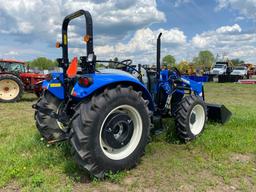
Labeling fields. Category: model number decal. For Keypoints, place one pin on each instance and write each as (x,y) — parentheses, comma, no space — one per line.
(55,85)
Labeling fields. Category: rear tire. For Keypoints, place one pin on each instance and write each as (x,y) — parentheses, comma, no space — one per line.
(110,132)
(49,127)
(190,117)
(11,88)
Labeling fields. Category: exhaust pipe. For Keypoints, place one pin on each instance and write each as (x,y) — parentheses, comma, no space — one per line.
(158,55)
(218,113)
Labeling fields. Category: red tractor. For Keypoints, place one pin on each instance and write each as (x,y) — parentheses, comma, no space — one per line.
(15,78)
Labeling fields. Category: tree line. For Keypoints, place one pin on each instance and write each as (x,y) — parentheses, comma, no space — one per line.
(204,60)
(42,63)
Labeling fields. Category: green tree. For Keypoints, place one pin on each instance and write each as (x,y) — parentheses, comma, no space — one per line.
(237,62)
(42,63)
(100,65)
(116,59)
(183,66)
(113,65)
(204,59)
(169,60)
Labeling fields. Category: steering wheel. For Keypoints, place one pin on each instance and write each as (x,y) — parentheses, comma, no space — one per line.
(176,71)
(126,62)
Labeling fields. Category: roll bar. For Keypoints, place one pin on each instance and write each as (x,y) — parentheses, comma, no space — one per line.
(89,34)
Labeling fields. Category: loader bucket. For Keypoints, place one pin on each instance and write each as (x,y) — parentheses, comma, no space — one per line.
(218,113)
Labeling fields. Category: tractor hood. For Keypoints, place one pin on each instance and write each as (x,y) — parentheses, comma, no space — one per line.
(32,75)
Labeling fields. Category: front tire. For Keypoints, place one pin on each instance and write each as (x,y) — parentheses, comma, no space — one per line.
(49,127)
(110,132)
(190,117)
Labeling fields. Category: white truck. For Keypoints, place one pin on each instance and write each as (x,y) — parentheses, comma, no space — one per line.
(241,71)
(220,68)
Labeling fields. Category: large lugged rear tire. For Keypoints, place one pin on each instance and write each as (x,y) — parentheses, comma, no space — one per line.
(49,127)
(110,132)
(11,88)
(190,117)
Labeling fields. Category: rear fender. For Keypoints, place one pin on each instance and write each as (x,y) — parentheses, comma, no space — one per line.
(101,81)
(55,85)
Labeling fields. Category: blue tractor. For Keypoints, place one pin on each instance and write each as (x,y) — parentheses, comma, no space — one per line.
(109,114)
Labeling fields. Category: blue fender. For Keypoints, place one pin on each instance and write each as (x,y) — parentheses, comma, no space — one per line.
(101,80)
(55,85)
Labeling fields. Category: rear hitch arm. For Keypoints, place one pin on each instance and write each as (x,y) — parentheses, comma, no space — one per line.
(45,111)
(51,113)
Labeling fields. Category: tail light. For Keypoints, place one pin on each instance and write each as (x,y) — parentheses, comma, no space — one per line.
(85,81)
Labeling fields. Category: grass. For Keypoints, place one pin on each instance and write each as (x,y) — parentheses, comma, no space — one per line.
(221,159)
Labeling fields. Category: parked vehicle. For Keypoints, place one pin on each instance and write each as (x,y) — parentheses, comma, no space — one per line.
(15,79)
(251,69)
(241,71)
(221,68)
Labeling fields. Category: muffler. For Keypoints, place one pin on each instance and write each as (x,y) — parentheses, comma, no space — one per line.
(218,113)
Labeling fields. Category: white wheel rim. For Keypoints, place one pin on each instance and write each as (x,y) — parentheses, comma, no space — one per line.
(197,119)
(9,89)
(125,151)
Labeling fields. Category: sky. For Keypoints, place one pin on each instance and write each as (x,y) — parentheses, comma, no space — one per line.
(128,29)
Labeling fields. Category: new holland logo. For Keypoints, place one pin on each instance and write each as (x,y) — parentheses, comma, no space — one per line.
(55,85)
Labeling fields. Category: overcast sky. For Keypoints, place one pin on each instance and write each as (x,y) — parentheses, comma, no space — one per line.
(128,28)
